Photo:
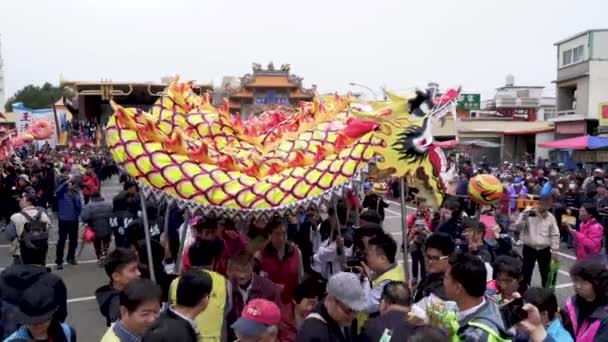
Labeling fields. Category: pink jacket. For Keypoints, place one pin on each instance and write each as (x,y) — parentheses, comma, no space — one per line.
(588,238)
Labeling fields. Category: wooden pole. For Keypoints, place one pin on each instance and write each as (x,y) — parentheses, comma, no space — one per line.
(404,228)
(144,215)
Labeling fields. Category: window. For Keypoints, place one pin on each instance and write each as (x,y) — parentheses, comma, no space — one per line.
(574,55)
(577,54)
(260,100)
(567,57)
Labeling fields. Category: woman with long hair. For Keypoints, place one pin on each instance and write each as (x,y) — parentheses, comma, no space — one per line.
(586,313)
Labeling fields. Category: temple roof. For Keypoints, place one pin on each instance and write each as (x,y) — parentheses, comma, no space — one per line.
(278,81)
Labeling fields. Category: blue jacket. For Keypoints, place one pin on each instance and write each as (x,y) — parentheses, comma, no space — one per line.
(68,202)
(22,334)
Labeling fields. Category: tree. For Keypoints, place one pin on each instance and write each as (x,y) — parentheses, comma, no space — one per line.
(37,97)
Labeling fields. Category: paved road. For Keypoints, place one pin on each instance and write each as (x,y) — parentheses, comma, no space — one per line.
(83,279)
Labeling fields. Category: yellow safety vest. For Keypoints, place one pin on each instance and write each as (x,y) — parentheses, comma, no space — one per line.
(396,273)
(210,322)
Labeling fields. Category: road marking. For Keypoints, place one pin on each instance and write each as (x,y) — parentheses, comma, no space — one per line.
(392,212)
(563,286)
(392,217)
(5,246)
(80,299)
(563,273)
(567,256)
(83,262)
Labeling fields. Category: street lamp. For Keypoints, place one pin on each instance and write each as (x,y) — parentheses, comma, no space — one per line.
(354,84)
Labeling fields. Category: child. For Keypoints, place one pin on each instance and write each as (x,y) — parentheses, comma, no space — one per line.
(546,302)
(122,267)
(507,279)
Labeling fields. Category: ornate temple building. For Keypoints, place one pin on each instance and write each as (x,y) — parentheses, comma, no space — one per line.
(266,89)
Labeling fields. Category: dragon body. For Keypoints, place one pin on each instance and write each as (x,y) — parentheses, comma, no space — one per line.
(202,157)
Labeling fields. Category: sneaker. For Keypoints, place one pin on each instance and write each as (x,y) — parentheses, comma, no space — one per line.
(59,267)
(72,262)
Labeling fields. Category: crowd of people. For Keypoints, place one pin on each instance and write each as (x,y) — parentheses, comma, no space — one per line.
(323,274)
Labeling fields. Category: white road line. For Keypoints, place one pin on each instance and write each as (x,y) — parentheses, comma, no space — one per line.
(563,273)
(83,262)
(392,212)
(81,299)
(5,246)
(567,256)
(563,286)
(392,217)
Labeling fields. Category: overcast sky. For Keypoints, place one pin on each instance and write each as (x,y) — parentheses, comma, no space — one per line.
(398,44)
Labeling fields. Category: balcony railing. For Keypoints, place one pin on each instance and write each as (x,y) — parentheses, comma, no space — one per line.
(567,112)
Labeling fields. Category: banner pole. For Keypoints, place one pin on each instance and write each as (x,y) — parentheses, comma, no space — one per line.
(404,228)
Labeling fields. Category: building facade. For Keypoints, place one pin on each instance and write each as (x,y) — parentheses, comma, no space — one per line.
(581,84)
(513,118)
(268,88)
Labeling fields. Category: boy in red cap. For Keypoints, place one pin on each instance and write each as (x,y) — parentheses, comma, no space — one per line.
(259,322)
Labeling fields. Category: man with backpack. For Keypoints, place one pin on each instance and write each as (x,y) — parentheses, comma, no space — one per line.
(29,230)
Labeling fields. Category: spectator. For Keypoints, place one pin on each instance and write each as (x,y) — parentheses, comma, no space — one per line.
(35,312)
(507,279)
(421,223)
(69,211)
(90,185)
(465,284)
(451,219)
(97,215)
(211,323)
(474,232)
(330,255)
(438,249)
(380,269)
(394,307)
(546,303)
(206,228)
(345,299)
(281,261)
(177,322)
(517,190)
(16,279)
(588,239)
(540,237)
(373,201)
(121,266)
(259,322)
(28,231)
(306,297)
(586,313)
(247,286)
(139,307)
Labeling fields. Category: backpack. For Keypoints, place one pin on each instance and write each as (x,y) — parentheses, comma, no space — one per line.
(35,232)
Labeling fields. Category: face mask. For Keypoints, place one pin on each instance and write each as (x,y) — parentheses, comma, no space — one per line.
(572,186)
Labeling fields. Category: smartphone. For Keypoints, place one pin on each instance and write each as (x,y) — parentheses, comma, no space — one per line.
(513,312)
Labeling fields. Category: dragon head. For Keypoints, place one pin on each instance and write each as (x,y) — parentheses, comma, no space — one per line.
(405,124)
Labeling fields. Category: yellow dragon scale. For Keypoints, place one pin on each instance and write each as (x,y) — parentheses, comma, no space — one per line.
(193,152)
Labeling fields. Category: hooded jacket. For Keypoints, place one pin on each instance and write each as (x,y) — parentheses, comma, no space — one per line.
(108,299)
(14,280)
(588,238)
(98,213)
(489,315)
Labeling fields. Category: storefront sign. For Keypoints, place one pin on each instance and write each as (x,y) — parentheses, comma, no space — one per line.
(469,102)
(604,114)
(571,127)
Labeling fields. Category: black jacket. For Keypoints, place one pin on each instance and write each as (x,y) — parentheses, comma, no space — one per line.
(395,321)
(326,330)
(14,280)
(431,284)
(108,299)
(171,328)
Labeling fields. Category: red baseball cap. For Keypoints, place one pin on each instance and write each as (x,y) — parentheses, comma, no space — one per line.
(256,317)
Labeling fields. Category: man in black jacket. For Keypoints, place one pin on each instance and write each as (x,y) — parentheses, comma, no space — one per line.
(394,306)
(331,320)
(16,279)
(177,322)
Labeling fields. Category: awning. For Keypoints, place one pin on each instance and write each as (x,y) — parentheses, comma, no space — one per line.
(506,127)
(579,143)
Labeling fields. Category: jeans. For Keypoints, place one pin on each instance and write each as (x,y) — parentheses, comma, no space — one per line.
(67,229)
(530,257)
(418,260)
